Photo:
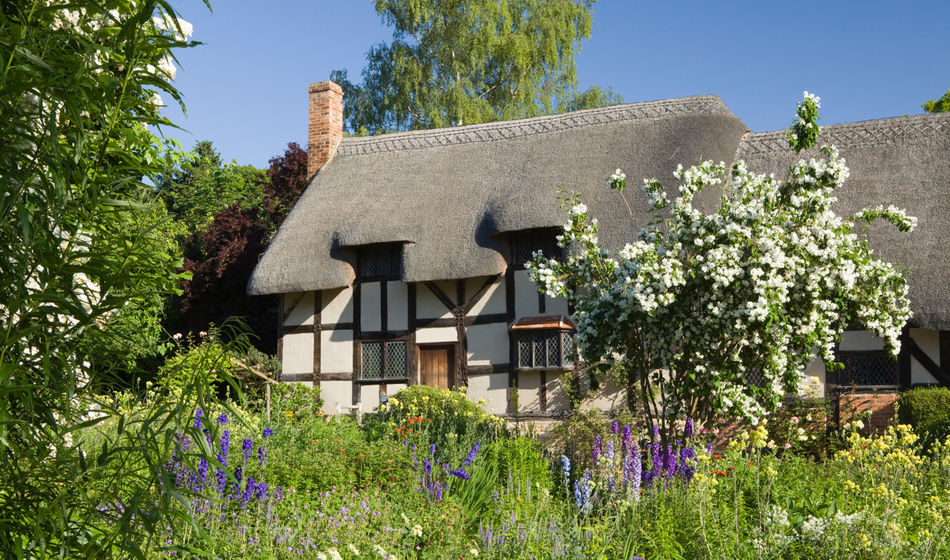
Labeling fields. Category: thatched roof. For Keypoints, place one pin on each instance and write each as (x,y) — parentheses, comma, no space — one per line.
(901,161)
(450,194)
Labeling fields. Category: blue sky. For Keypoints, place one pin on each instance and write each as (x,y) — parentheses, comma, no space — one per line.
(246,87)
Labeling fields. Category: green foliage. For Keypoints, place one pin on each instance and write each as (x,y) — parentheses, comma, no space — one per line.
(430,416)
(81,251)
(200,186)
(941,105)
(927,409)
(296,401)
(520,459)
(452,63)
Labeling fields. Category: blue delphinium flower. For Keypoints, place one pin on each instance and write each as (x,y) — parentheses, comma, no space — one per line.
(669,461)
(597,448)
(261,455)
(198,414)
(615,427)
(223,419)
(246,447)
(426,466)
(566,469)
(636,471)
(688,430)
(471,454)
(268,432)
(459,473)
(582,492)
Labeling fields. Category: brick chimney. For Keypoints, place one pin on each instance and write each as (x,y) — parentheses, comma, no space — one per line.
(326,124)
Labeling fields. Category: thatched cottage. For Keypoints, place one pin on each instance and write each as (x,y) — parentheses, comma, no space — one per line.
(402,263)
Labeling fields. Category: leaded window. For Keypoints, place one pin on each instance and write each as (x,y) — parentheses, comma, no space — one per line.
(379,261)
(384,360)
(545,350)
(525,243)
(867,368)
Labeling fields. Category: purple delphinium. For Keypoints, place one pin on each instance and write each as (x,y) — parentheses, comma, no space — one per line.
(566,469)
(598,449)
(246,447)
(426,466)
(688,429)
(636,471)
(268,432)
(615,427)
(471,454)
(198,414)
(261,455)
(656,458)
(459,473)
(582,492)
(223,419)
(669,461)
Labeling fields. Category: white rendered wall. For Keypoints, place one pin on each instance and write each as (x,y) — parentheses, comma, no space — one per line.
(557,400)
(492,388)
(526,295)
(336,351)
(336,395)
(337,306)
(428,306)
(298,353)
(529,396)
(608,397)
(371,307)
(487,344)
(298,309)
(369,398)
(397,307)
(492,302)
(929,342)
(859,341)
(436,334)
(555,306)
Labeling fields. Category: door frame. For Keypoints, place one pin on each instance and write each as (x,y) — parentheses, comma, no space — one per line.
(453,359)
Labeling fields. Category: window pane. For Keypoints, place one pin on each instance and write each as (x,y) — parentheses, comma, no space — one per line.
(372,360)
(524,352)
(395,359)
(567,349)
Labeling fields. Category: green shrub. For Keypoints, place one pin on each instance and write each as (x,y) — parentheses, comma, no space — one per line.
(926,409)
(425,416)
(520,458)
(296,401)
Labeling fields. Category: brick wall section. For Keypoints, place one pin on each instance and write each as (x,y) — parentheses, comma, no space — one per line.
(880,405)
(326,124)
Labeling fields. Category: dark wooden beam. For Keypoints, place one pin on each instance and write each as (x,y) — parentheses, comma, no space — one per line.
(512,348)
(384,305)
(336,326)
(357,356)
(903,360)
(543,392)
(345,376)
(317,309)
(459,293)
(467,320)
(295,303)
(542,304)
(296,377)
(411,351)
(945,351)
(939,374)
(491,368)
(384,335)
(480,293)
(299,329)
(448,303)
(280,334)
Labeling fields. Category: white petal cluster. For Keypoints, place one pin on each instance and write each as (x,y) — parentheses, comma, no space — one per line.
(754,289)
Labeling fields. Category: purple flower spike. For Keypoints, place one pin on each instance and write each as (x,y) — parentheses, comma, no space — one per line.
(246,447)
(261,455)
(198,414)
(597,448)
(471,454)
(688,430)
(223,419)
(268,432)
(615,427)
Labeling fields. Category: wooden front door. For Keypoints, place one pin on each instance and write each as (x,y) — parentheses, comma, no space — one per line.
(437,366)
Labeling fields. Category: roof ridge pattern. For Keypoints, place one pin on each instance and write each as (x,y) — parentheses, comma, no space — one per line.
(860,134)
(506,130)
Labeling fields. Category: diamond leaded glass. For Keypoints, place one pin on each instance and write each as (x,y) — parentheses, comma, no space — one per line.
(396,359)
(567,349)
(873,367)
(372,360)
(551,350)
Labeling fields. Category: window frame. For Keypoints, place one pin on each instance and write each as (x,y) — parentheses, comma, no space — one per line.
(543,239)
(566,361)
(377,251)
(383,378)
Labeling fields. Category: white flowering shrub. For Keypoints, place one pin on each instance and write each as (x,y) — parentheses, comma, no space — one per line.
(698,303)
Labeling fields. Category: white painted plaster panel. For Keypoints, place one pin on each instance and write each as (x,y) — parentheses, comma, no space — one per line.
(492,302)
(428,306)
(336,395)
(529,395)
(397,294)
(336,351)
(555,306)
(487,344)
(298,309)
(371,316)
(860,340)
(608,397)
(393,388)
(369,398)
(436,334)
(337,306)
(526,295)
(492,388)
(298,353)
(929,342)
(557,398)
(813,385)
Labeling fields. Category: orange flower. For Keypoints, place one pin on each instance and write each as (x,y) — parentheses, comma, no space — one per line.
(720,473)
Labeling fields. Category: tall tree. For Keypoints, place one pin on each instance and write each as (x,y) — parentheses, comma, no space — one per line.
(202,185)
(455,62)
(941,105)
(221,256)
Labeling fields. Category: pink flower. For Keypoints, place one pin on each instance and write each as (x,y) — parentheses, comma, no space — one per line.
(177,336)
(794,419)
(788,445)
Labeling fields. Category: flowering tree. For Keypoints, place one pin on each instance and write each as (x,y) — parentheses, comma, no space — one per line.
(700,301)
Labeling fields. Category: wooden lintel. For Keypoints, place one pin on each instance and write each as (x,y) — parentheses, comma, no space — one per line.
(316,337)
(347,376)
(903,359)
(299,329)
(491,368)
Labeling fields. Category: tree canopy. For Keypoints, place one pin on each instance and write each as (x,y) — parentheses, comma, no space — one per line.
(455,62)
(941,105)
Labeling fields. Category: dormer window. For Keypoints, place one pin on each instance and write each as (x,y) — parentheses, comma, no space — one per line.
(544,343)
(525,243)
(380,261)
